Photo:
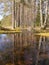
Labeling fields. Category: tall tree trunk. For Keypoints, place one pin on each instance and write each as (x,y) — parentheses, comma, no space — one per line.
(41,17)
(32,17)
(46,12)
(13,13)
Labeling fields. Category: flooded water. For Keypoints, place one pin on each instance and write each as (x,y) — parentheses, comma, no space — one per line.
(5,41)
(6,49)
(22,49)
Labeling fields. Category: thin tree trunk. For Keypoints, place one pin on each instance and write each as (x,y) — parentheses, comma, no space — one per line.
(41,17)
(13,13)
(23,15)
(46,12)
(32,13)
(21,7)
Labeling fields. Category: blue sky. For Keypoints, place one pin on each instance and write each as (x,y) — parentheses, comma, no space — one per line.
(1,10)
(2,13)
(1,17)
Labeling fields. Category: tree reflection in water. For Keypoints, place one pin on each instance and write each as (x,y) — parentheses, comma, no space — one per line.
(20,56)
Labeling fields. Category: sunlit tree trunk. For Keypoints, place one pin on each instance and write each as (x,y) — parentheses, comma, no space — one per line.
(32,13)
(43,21)
(23,15)
(13,13)
(41,17)
(21,7)
(46,14)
